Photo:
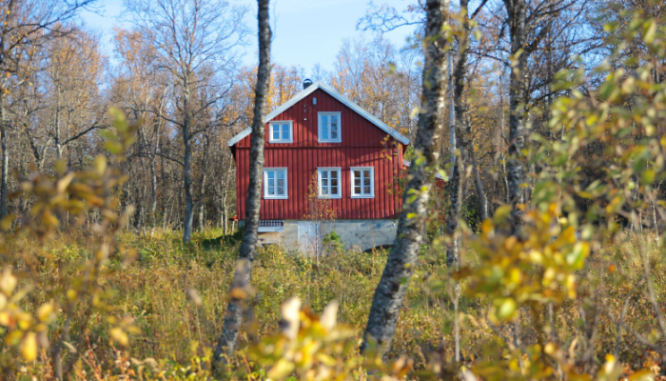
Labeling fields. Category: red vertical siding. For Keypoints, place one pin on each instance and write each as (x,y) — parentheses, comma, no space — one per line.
(362,145)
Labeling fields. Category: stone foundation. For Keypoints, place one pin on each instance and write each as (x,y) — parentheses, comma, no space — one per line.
(356,234)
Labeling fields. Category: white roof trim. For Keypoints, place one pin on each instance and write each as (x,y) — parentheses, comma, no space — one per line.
(332,92)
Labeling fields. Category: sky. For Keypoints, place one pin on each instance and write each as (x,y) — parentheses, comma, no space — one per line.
(306,32)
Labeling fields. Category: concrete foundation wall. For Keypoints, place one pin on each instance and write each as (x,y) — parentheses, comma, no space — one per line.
(356,234)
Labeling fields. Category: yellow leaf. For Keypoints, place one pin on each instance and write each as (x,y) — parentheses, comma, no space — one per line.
(507,309)
(238,293)
(29,347)
(45,313)
(100,165)
(64,182)
(7,282)
(119,336)
(281,369)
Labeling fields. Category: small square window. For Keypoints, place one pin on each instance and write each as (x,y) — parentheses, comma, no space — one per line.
(363,182)
(281,132)
(330,130)
(275,183)
(329,182)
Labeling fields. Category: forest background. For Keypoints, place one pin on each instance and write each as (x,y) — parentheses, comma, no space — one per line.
(560,174)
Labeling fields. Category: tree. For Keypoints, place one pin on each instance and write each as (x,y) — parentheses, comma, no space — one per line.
(528,22)
(226,344)
(194,42)
(380,80)
(25,24)
(390,292)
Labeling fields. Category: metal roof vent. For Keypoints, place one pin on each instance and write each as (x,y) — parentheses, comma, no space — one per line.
(307,83)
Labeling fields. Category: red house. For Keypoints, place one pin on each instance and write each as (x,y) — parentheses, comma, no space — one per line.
(320,141)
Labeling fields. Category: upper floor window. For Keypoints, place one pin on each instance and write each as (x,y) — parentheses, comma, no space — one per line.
(275,183)
(329,127)
(362,182)
(329,182)
(281,132)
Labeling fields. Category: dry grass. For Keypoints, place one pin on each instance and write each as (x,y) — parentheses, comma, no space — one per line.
(153,290)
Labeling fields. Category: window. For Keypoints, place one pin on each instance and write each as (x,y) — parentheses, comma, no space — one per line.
(275,183)
(329,127)
(363,182)
(329,182)
(281,132)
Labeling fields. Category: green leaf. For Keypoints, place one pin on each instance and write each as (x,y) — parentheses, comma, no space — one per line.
(507,309)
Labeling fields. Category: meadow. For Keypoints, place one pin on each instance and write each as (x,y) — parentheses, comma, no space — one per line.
(175,296)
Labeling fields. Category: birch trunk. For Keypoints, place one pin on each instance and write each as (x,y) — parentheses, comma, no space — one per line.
(390,293)
(202,203)
(226,344)
(5,159)
(461,120)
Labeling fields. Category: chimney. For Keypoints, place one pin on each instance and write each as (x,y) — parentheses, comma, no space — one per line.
(307,83)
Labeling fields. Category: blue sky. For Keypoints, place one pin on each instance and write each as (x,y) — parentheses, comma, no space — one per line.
(306,32)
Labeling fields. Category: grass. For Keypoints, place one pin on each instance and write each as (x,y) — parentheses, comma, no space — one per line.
(153,290)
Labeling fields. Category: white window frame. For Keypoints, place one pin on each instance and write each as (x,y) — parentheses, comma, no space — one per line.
(372,182)
(329,113)
(286,184)
(339,170)
(280,123)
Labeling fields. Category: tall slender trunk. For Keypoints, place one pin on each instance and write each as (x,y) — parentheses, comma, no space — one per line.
(5,158)
(202,203)
(227,342)
(56,122)
(478,184)
(187,167)
(516,10)
(392,288)
(153,194)
(500,156)
(461,109)
(138,204)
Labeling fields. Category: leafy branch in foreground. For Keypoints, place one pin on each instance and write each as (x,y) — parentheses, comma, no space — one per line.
(72,294)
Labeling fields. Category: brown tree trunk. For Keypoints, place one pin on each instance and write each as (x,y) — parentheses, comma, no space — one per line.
(478,184)
(226,344)
(390,293)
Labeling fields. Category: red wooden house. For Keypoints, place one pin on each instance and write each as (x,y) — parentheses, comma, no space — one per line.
(321,141)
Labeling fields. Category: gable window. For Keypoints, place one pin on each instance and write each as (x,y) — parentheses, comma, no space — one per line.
(281,132)
(275,183)
(363,182)
(329,127)
(329,182)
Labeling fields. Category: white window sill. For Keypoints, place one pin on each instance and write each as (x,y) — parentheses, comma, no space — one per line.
(280,141)
(329,141)
(276,197)
(329,197)
(364,196)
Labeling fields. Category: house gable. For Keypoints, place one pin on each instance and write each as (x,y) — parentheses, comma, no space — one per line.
(357,125)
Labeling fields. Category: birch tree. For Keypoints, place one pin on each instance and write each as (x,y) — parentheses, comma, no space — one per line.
(390,292)
(226,344)
(24,24)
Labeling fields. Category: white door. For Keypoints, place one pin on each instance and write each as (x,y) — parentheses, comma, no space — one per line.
(307,237)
